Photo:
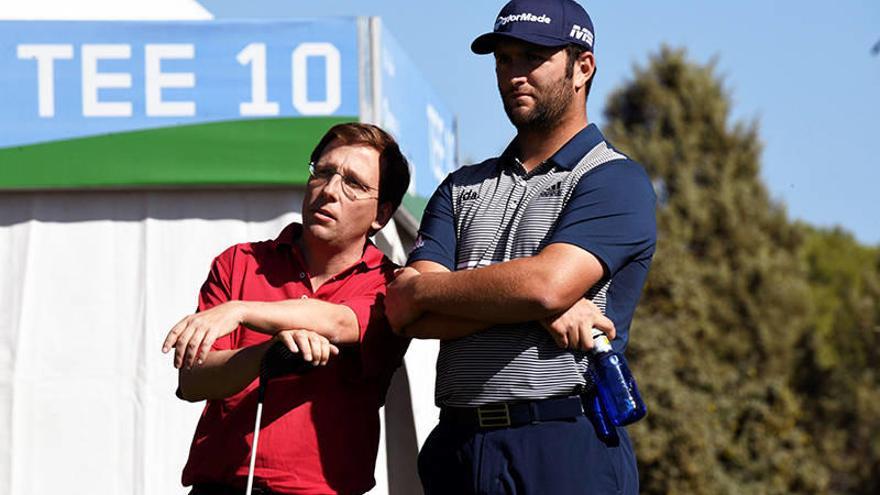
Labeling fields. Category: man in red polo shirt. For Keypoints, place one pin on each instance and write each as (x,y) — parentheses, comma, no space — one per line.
(318,288)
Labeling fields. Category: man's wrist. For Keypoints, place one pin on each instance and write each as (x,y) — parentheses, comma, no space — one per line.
(417,292)
(242,311)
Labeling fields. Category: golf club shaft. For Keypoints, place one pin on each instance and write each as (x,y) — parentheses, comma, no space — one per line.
(250,480)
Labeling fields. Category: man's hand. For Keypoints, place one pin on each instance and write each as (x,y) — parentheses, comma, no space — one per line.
(194,335)
(573,328)
(315,348)
(400,307)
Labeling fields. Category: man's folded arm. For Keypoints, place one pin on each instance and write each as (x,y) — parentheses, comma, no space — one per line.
(195,335)
(337,322)
(571,328)
(442,327)
(222,374)
(432,325)
(523,289)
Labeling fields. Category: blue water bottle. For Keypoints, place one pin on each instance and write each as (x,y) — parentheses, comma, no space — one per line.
(615,385)
(601,424)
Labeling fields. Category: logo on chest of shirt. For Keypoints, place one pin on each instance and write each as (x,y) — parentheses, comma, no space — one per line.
(468,195)
(552,191)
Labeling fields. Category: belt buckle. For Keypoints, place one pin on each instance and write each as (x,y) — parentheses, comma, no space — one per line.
(494,415)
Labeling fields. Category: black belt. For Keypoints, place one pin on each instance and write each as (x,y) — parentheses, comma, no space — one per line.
(217,489)
(503,415)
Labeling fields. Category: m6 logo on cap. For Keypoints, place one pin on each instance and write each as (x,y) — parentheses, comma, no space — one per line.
(582,34)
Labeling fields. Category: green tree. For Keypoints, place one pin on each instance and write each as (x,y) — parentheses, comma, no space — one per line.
(839,356)
(727,302)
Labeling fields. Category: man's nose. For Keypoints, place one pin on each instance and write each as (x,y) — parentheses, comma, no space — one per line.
(515,75)
(519,79)
(331,190)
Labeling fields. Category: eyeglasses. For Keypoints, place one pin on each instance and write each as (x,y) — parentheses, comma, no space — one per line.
(352,187)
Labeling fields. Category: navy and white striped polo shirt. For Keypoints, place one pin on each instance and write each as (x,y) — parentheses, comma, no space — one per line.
(587,194)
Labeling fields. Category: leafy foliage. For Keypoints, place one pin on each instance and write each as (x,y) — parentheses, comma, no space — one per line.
(737,340)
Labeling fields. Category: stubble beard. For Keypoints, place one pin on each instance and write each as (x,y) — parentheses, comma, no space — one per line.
(548,110)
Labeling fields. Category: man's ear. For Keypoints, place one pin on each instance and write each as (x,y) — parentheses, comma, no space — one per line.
(583,69)
(383,214)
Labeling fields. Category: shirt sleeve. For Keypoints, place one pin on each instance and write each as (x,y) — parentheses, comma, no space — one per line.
(436,240)
(611,214)
(380,350)
(216,291)
(368,309)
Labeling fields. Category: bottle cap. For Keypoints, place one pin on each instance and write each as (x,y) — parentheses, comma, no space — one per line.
(600,341)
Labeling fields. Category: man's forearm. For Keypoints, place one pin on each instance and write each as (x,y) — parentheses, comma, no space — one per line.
(523,289)
(505,293)
(223,373)
(336,322)
(194,335)
(443,327)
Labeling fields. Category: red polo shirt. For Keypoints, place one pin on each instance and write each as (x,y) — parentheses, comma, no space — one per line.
(320,431)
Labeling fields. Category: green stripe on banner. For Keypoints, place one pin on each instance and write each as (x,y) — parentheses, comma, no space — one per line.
(415,205)
(247,152)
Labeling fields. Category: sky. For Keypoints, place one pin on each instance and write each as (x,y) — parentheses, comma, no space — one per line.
(804,71)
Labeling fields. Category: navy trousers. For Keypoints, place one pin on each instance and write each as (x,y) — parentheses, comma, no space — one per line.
(548,458)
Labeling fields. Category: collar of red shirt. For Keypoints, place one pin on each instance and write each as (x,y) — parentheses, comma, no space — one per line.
(372,257)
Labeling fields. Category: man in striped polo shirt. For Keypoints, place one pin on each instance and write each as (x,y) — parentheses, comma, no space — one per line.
(562,229)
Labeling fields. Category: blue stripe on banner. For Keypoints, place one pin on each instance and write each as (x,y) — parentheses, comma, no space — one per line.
(69,79)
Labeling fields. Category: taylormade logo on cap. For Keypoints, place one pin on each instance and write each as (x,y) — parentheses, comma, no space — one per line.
(524,17)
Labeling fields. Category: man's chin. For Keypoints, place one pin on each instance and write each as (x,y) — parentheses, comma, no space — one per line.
(520,117)
(319,231)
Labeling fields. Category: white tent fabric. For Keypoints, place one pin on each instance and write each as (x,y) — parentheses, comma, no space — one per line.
(90,282)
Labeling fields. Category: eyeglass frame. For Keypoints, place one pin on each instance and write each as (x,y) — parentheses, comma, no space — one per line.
(344,186)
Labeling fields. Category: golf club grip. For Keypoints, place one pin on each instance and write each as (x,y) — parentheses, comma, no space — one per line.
(279,361)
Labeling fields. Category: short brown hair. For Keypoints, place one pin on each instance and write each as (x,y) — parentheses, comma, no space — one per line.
(573,52)
(393,167)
